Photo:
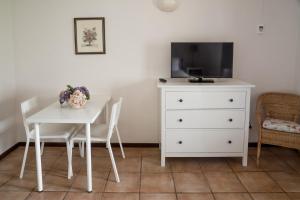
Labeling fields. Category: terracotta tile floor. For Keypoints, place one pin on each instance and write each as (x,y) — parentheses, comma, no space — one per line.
(277,178)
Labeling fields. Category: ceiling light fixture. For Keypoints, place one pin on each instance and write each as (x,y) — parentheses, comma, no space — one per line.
(167,5)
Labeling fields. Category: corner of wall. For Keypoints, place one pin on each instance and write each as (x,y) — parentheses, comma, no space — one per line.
(297,65)
(7,77)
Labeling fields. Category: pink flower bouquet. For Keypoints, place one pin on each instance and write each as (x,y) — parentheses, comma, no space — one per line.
(76,97)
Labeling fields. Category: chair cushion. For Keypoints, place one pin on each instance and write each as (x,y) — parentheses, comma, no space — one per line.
(281,125)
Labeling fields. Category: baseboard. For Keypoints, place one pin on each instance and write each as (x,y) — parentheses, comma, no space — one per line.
(136,145)
(254,144)
(5,153)
(61,144)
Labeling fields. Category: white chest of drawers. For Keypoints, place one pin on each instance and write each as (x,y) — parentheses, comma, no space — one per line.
(204,119)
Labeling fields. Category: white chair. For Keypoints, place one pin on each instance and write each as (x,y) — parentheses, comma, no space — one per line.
(102,134)
(28,107)
(105,128)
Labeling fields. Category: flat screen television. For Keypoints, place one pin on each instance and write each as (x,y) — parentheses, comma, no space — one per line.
(201,59)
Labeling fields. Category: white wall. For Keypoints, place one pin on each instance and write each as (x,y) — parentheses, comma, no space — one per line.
(297,74)
(268,60)
(138,38)
(7,78)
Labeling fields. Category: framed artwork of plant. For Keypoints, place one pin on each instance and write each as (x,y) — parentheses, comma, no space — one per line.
(89,35)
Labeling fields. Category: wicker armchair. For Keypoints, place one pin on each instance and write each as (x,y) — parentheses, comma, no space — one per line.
(277,106)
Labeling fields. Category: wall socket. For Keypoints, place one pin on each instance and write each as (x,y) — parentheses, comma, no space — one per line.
(260,29)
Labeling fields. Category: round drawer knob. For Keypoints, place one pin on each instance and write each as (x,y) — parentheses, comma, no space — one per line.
(180,120)
(180,100)
(231,100)
(229,141)
(179,142)
(230,119)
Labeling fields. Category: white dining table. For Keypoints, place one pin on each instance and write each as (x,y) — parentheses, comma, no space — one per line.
(57,114)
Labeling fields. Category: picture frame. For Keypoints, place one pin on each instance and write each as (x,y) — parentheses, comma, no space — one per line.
(89,33)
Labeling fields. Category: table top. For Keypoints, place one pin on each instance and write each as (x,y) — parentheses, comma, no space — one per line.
(55,113)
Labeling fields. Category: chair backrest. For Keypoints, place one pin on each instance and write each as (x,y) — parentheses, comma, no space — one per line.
(27,108)
(280,106)
(113,120)
(119,109)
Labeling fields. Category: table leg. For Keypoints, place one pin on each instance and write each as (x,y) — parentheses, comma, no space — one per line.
(88,157)
(39,173)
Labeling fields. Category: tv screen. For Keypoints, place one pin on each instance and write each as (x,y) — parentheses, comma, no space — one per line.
(204,59)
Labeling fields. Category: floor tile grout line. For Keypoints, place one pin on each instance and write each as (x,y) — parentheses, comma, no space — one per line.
(251,194)
(283,191)
(240,181)
(238,178)
(281,160)
(206,179)
(6,181)
(107,178)
(28,196)
(228,163)
(289,165)
(264,171)
(65,195)
(270,170)
(174,184)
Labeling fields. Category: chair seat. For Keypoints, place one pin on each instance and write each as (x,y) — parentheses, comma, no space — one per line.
(98,133)
(281,125)
(50,133)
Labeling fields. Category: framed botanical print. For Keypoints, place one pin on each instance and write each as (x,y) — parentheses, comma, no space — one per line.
(89,35)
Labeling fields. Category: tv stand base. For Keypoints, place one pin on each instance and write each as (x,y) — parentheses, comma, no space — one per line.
(200,80)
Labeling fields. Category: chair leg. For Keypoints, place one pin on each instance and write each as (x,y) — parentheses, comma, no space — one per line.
(79,147)
(81,151)
(24,158)
(69,153)
(42,148)
(82,146)
(120,142)
(113,162)
(71,158)
(258,152)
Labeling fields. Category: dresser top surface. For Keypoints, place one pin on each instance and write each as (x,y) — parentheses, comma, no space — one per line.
(182,82)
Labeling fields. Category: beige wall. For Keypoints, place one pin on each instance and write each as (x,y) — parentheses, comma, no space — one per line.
(7,78)
(297,74)
(138,38)
(298,77)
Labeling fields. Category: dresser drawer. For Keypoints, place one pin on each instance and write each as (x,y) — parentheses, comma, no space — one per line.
(196,100)
(205,119)
(205,141)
